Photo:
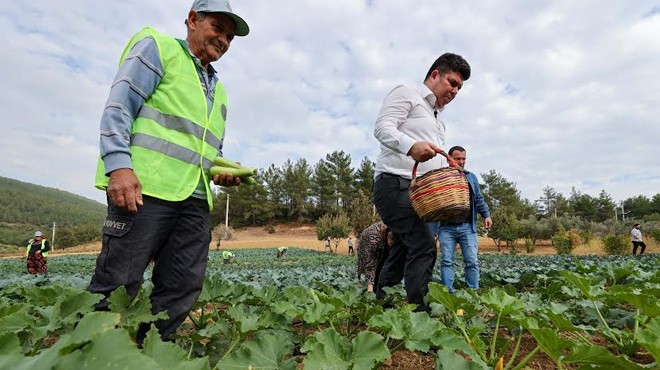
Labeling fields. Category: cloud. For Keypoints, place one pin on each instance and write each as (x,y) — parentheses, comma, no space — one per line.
(558,97)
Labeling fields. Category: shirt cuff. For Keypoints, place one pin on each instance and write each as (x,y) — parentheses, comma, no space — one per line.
(115,161)
(405,143)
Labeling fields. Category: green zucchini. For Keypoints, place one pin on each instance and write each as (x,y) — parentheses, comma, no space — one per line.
(224,162)
(238,172)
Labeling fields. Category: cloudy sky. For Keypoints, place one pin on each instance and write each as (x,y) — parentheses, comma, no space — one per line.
(563,93)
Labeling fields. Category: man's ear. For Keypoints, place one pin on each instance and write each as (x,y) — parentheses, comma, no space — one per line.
(192,19)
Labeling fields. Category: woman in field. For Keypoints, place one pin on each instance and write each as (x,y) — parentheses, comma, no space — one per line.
(36,253)
(372,250)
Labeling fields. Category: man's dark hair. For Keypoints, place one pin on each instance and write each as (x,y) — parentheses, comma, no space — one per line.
(635,225)
(455,148)
(449,62)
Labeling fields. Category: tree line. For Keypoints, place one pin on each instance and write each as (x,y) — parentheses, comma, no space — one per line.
(301,192)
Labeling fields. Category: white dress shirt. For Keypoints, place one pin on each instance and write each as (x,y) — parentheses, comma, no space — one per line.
(636,235)
(406,117)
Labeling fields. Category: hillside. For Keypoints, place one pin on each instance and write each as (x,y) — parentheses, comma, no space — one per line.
(26,207)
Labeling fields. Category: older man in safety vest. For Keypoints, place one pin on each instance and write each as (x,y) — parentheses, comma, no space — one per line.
(163,124)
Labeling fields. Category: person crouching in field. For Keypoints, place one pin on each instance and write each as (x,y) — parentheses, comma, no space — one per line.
(373,248)
(36,253)
(227,257)
(280,252)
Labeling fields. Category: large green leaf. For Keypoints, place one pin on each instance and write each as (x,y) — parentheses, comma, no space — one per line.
(550,343)
(394,323)
(598,358)
(649,338)
(70,307)
(449,340)
(9,344)
(265,351)
(583,284)
(438,293)
(648,304)
(169,356)
(502,303)
(555,314)
(447,359)
(90,326)
(420,331)
(136,311)
(369,348)
(318,313)
(246,316)
(327,349)
(112,349)
(15,318)
(253,318)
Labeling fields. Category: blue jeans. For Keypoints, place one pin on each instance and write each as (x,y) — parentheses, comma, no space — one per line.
(462,234)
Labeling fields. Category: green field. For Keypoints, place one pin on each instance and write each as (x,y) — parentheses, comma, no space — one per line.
(306,310)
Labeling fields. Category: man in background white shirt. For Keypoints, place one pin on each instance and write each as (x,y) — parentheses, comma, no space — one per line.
(409,129)
(637,240)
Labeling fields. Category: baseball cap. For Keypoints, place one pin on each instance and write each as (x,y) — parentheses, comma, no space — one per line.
(221,6)
(38,233)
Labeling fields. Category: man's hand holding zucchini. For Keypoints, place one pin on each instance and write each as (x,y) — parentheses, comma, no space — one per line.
(229,173)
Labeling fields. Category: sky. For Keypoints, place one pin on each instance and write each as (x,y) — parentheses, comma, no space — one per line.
(563,93)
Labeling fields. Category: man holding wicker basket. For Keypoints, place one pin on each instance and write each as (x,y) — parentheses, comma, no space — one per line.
(409,131)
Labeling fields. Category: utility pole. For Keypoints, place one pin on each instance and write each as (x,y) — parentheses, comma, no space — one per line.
(623,213)
(52,240)
(227,211)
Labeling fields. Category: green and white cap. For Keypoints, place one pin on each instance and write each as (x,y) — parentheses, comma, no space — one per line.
(222,6)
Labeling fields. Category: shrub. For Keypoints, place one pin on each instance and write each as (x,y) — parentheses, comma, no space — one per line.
(615,244)
(513,250)
(656,235)
(586,236)
(575,236)
(222,232)
(270,229)
(529,245)
(562,243)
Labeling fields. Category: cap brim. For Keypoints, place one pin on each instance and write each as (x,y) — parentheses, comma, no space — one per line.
(242,28)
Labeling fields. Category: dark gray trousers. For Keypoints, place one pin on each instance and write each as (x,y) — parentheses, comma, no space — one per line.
(413,254)
(175,236)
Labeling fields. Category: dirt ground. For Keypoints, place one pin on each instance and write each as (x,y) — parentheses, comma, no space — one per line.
(304,236)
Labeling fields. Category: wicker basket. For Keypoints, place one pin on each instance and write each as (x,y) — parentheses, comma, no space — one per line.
(440,195)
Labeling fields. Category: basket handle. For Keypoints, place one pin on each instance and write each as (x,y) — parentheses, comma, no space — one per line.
(450,160)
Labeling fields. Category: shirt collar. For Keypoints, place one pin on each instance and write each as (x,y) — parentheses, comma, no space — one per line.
(211,71)
(428,95)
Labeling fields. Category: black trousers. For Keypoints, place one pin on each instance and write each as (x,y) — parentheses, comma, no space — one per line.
(175,236)
(641,245)
(413,254)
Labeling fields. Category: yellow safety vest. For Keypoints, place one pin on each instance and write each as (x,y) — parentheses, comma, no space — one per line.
(173,139)
(43,246)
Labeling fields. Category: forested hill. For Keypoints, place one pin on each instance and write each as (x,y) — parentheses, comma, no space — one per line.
(26,207)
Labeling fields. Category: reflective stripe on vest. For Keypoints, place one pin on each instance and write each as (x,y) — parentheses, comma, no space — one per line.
(43,246)
(173,139)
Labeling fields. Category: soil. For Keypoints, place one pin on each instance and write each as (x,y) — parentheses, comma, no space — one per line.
(304,236)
